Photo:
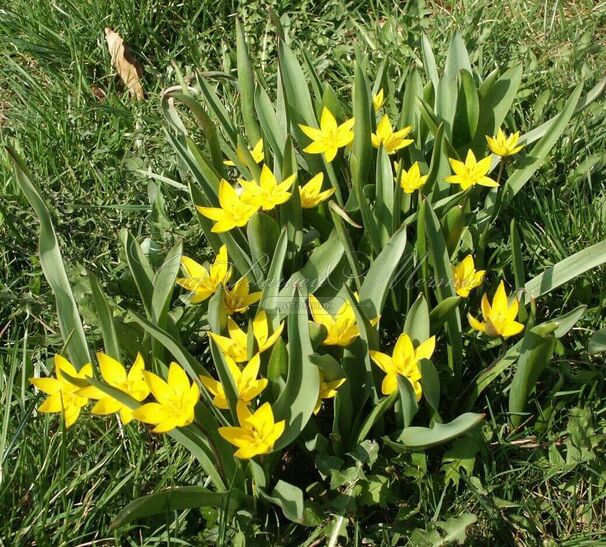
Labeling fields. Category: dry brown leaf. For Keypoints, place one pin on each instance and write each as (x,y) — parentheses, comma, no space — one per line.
(127,66)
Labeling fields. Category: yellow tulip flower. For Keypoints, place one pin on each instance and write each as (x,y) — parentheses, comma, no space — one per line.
(267,193)
(258,431)
(236,345)
(256,153)
(378,100)
(63,396)
(390,140)
(114,374)
(328,390)
(404,362)
(412,180)
(248,386)
(329,137)
(499,317)
(502,145)
(311,193)
(233,211)
(342,328)
(471,172)
(466,277)
(176,399)
(203,283)
(238,298)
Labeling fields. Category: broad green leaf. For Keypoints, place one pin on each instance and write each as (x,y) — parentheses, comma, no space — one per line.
(53,267)
(417,321)
(597,342)
(263,233)
(178,499)
(384,208)
(296,403)
(419,438)
(430,383)
(442,313)
(273,132)
(246,86)
(271,299)
(535,352)
(164,283)
(377,411)
(289,498)
(350,253)
(140,268)
(566,270)
(383,269)
(106,319)
(429,61)
(408,400)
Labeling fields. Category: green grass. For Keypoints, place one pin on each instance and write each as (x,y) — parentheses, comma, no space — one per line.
(544,484)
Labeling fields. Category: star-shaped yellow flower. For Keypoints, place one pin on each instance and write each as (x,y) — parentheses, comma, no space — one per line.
(404,362)
(257,433)
(499,317)
(114,374)
(248,386)
(412,180)
(267,193)
(236,345)
(502,145)
(64,397)
(342,327)
(389,139)
(378,100)
(466,277)
(311,193)
(328,390)
(176,399)
(330,137)
(200,281)
(256,153)
(471,172)
(238,298)
(233,211)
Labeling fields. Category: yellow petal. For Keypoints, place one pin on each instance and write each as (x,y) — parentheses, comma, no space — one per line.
(426,349)
(150,413)
(389,384)
(112,371)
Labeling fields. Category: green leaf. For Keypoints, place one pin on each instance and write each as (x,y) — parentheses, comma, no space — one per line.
(263,233)
(246,85)
(597,343)
(408,400)
(361,157)
(106,319)
(385,204)
(535,157)
(382,271)
(442,313)
(566,270)
(375,414)
(430,382)
(271,299)
(140,269)
(350,253)
(178,499)
(296,403)
(419,438)
(417,321)
(53,267)
(164,283)
(452,530)
(536,351)
(289,498)
(273,132)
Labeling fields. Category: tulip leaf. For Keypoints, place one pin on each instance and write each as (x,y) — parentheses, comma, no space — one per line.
(419,438)
(163,283)
(289,498)
(385,203)
(535,352)
(350,253)
(140,268)
(273,132)
(442,313)
(53,267)
(408,400)
(417,321)
(377,411)
(271,298)
(597,342)
(296,403)
(178,499)
(383,269)
(566,270)
(430,383)
(263,233)
(246,86)
(106,319)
